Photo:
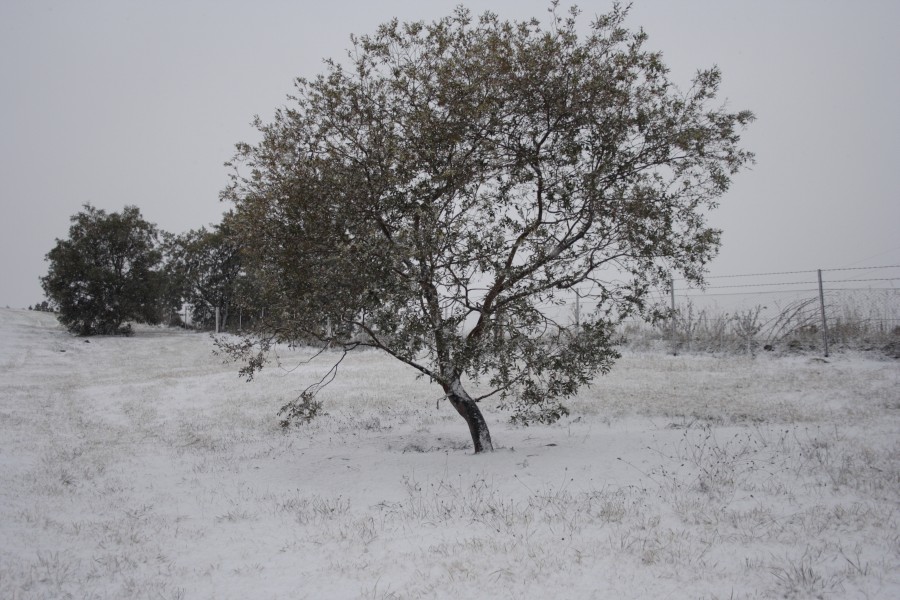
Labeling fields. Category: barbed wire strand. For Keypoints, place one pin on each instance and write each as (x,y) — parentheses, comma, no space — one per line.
(863,268)
(773,273)
(783,283)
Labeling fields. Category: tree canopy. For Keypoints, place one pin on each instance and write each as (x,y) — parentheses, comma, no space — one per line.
(105,273)
(440,192)
(205,266)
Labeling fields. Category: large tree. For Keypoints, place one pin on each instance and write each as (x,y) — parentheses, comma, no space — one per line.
(440,192)
(205,265)
(105,273)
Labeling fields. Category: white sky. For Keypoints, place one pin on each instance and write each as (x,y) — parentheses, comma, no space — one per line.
(117,102)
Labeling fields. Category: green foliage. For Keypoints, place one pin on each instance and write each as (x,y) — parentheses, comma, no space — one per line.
(303,410)
(105,273)
(204,268)
(554,368)
(438,194)
(43,306)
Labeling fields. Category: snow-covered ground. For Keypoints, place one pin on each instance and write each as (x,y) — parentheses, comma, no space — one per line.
(145,468)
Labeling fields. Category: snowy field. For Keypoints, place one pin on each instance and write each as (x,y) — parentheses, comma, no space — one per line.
(144,468)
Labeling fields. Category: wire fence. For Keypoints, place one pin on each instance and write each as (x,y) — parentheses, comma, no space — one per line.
(810,309)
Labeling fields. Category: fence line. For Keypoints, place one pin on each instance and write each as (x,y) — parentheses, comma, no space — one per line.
(753,285)
(799,272)
(773,307)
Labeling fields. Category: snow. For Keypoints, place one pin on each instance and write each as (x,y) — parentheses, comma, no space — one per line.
(143,467)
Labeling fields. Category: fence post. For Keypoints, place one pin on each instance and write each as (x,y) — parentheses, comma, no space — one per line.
(217,319)
(674,341)
(822,307)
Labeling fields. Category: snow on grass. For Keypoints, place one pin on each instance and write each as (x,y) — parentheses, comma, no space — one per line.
(144,468)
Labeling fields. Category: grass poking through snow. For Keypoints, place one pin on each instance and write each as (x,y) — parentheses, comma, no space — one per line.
(144,468)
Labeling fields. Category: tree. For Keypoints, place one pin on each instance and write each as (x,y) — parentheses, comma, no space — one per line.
(105,273)
(206,266)
(43,306)
(442,193)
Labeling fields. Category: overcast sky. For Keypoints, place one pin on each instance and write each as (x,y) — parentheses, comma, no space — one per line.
(117,102)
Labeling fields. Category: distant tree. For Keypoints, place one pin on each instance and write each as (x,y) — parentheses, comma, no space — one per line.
(206,266)
(441,193)
(105,274)
(42,306)
(248,300)
(172,294)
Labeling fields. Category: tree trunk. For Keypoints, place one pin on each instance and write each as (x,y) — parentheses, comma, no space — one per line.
(468,410)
